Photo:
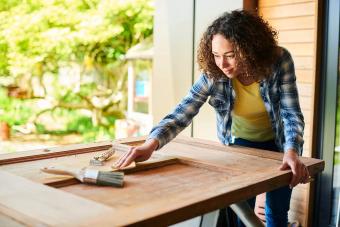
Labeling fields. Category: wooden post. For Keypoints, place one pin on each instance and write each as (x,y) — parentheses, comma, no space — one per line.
(250,5)
(5,132)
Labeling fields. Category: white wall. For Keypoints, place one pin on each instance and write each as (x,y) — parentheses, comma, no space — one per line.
(204,125)
(175,60)
(172,69)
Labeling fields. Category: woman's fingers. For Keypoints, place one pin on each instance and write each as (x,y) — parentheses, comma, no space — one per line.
(300,174)
(260,213)
(138,153)
(130,158)
(123,158)
(291,159)
(306,175)
(303,173)
(296,178)
(262,217)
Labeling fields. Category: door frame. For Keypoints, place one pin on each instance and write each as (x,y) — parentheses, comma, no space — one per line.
(326,123)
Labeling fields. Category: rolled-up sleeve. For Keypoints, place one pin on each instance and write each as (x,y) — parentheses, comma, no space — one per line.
(290,110)
(172,124)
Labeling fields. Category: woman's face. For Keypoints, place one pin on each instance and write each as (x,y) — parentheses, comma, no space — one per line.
(224,55)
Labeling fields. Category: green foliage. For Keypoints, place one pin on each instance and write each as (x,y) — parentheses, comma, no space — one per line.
(87,32)
(80,124)
(337,158)
(337,130)
(69,53)
(83,126)
(14,111)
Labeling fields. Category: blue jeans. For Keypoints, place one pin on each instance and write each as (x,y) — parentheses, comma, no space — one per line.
(278,200)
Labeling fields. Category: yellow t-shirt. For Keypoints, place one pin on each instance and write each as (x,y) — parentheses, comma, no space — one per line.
(250,120)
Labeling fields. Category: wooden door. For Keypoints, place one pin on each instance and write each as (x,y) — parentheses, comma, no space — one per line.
(186,178)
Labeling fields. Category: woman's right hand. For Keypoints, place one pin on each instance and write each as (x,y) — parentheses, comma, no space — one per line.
(137,154)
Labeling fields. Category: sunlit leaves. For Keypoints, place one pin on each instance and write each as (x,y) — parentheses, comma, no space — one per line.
(69,30)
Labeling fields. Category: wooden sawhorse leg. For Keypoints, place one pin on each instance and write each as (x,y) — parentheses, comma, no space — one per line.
(246,214)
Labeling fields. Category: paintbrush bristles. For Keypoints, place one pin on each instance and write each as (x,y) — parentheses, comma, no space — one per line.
(90,176)
(106,178)
(110,178)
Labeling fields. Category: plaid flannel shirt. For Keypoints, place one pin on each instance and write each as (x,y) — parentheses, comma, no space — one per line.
(279,93)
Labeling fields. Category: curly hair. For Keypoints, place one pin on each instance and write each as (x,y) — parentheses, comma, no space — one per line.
(254,41)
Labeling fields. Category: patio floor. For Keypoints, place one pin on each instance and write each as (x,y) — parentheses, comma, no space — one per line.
(21,142)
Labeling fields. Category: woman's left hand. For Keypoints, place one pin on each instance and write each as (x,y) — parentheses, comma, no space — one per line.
(300,172)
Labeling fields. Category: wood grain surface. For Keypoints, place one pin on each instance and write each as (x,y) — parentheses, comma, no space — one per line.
(186,178)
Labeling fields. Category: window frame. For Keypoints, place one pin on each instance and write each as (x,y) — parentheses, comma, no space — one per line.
(326,126)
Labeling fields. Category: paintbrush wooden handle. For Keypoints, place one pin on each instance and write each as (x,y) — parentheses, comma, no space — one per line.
(59,171)
(99,159)
(106,155)
(115,147)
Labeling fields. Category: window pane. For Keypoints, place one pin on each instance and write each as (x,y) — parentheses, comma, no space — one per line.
(336,180)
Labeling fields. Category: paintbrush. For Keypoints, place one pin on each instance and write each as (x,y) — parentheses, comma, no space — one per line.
(99,160)
(89,176)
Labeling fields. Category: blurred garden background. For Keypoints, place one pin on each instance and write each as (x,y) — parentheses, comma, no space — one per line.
(63,70)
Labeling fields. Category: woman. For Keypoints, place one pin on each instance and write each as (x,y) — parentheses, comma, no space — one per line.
(252,87)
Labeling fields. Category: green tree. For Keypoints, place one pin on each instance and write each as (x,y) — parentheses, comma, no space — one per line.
(70,53)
